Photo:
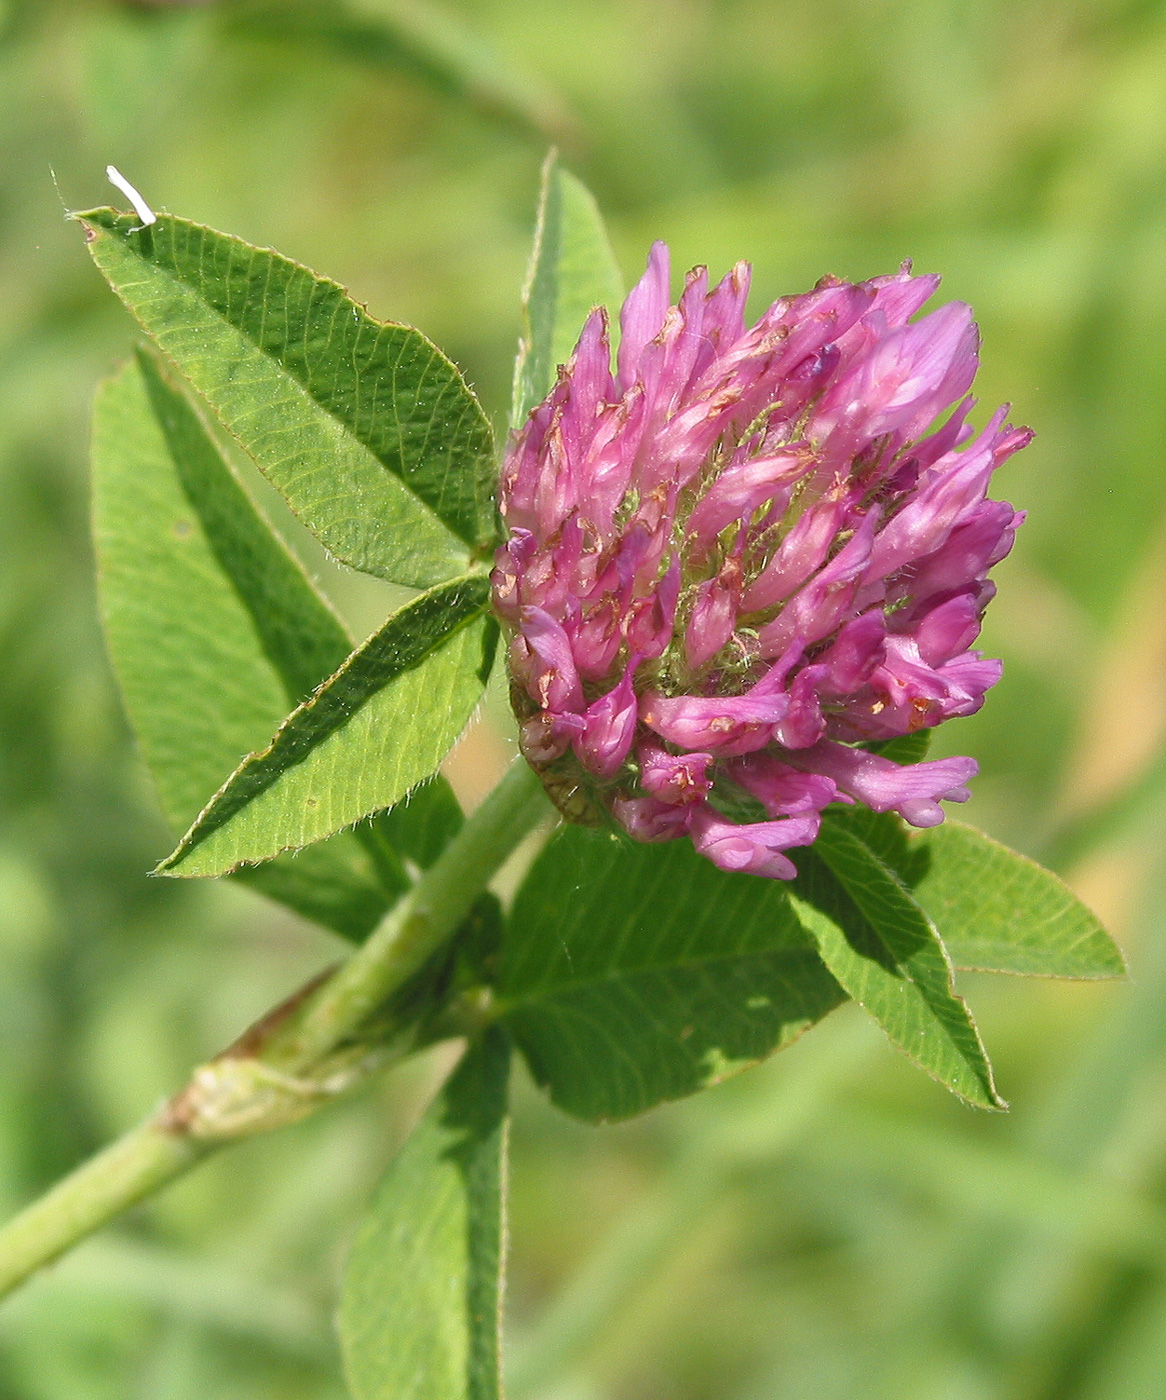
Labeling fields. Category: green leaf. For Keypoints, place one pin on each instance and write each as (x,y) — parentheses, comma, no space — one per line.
(420,1311)
(424,822)
(369,734)
(336,883)
(572,271)
(882,947)
(995,910)
(370,433)
(906,748)
(632,974)
(213,628)
(998,911)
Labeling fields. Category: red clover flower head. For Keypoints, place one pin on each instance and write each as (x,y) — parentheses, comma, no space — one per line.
(748,552)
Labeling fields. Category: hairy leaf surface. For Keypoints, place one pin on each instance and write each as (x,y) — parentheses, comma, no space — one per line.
(424,822)
(213,628)
(366,428)
(369,734)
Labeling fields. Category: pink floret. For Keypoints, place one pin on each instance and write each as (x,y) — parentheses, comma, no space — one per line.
(749,550)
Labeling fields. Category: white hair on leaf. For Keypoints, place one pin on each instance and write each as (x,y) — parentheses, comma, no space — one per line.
(141,208)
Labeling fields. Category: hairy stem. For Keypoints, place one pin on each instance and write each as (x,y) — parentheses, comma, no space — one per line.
(296,1058)
(417,925)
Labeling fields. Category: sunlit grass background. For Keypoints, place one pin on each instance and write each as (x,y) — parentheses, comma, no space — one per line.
(833,1225)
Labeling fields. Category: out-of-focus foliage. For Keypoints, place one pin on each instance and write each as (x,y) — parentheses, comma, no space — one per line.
(827,1226)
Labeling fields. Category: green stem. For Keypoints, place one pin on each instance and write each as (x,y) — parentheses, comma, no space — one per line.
(418,924)
(138,1164)
(302,1054)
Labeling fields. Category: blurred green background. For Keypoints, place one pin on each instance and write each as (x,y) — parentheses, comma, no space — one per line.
(832,1225)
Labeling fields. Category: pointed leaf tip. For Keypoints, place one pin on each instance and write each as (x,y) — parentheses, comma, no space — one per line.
(572,270)
(877,940)
(371,434)
(213,628)
(999,911)
(373,731)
